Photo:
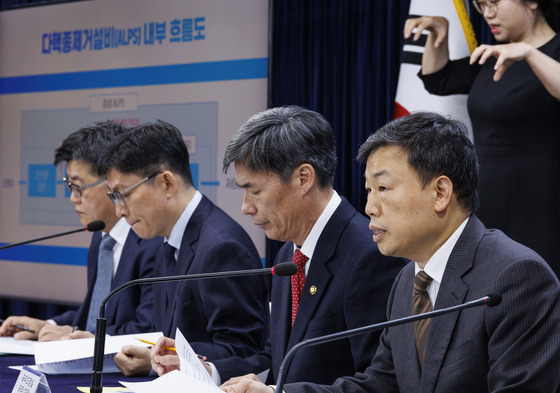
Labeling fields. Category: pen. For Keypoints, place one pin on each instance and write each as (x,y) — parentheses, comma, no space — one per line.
(170,348)
(21,327)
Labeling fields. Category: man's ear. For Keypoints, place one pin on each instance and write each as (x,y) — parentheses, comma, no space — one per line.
(167,182)
(304,177)
(533,5)
(443,187)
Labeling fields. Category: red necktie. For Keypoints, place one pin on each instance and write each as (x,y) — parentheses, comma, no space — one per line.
(298,281)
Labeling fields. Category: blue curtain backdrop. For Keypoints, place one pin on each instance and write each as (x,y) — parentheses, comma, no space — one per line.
(338,57)
(341,59)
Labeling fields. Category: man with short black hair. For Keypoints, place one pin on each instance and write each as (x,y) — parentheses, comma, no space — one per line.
(150,183)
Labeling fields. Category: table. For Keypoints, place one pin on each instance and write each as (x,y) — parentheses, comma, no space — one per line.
(58,383)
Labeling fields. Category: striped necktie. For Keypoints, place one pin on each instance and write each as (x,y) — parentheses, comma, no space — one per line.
(420,305)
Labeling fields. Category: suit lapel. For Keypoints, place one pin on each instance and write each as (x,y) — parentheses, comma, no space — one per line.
(186,255)
(315,286)
(453,291)
(319,275)
(93,255)
(285,315)
(404,347)
(128,255)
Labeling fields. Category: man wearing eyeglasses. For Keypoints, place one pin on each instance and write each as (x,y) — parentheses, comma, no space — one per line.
(150,182)
(115,256)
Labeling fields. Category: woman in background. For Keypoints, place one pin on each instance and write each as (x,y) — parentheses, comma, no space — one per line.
(514,106)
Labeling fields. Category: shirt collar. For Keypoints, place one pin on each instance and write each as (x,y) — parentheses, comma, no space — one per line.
(176,235)
(437,263)
(120,230)
(308,246)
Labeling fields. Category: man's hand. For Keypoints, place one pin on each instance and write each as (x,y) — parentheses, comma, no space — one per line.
(236,380)
(54,333)
(246,385)
(8,328)
(81,334)
(133,360)
(164,360)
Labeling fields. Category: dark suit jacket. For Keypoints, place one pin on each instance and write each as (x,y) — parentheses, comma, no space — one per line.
(513,347)
(129,311)
(352,281)
(219,317)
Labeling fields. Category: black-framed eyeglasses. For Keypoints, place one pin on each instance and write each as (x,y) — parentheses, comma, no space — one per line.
(490,5)
(118,196)
(73,188)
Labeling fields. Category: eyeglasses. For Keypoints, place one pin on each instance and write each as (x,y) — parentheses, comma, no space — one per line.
(73,188)
(118,196)
(482,6)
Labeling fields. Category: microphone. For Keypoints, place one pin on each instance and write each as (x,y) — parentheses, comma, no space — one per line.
(93,226)
(490,300)
(280,269)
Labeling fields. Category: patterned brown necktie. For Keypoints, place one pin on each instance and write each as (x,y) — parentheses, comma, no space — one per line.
(298,281)
(421,304)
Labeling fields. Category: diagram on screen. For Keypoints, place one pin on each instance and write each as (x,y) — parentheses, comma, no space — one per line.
(43,197)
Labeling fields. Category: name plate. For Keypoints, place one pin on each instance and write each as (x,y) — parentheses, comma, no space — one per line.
(31,381)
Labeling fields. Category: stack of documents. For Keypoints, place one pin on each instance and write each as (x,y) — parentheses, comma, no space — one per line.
(76,356)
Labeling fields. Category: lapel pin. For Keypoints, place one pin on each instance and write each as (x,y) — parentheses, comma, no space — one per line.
(313,290)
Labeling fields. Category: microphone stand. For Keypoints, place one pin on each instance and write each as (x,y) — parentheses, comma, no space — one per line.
(281,269)
(491,300)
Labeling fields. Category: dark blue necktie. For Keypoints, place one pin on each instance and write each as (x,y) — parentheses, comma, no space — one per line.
(170,265)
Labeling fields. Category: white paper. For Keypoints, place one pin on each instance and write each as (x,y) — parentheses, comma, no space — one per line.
(17,347)
(76,356)
(190,363)
(174,382)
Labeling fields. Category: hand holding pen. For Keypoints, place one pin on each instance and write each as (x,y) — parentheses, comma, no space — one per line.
(169,348)
(21,328)
(164,356)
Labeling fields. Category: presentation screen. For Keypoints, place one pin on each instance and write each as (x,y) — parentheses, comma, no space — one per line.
(199,64)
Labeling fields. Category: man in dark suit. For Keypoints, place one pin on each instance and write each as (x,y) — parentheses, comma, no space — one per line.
(149,176)
(285,161)
(421,178)
(132,257)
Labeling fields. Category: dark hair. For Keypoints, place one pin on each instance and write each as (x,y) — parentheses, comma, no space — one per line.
(88,143)
(436,146)
(147,148)
(550,10)
(278,140)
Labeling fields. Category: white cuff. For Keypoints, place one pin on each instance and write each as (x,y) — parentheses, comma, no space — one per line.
(215,374)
